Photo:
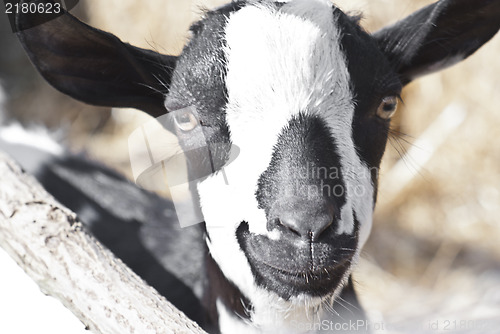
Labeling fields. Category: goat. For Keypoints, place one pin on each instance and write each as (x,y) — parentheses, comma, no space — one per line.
(306,96)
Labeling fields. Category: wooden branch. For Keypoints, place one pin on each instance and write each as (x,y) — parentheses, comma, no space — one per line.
(49,243)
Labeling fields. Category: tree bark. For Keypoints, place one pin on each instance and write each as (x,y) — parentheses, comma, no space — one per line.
(50,244)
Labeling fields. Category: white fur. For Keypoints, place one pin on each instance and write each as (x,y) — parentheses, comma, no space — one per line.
(279,63)
(280,317)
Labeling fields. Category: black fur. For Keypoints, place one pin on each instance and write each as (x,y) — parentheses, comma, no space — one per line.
(438,36)
(372,79)
(218,287)
(199,81)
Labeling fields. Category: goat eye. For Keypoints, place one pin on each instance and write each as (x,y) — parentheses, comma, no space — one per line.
(387,107)
(185,120)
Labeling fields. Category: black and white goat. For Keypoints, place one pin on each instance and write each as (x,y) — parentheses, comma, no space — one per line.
(306,95)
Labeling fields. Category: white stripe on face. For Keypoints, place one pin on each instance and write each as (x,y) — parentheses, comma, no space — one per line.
(279,63)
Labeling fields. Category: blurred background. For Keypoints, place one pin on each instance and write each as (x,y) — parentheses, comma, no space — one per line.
(432,263)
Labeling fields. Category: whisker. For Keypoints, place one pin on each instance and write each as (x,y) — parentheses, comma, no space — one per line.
(402,152)
(329,307)
(339,301)
(161,82)
(350,304)
(156,90)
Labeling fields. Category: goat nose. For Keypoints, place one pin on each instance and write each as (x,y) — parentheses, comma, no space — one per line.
(304,222)
(306,227)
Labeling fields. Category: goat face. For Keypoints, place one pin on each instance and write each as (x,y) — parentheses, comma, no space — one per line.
(282,83)
(306,97)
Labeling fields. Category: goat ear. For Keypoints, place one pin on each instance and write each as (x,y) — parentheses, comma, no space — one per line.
(94,66)
(438,35)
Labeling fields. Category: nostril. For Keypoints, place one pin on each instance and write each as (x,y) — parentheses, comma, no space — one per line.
(321,228)
(287,226)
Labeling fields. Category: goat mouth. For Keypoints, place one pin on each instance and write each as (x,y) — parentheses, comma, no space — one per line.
(316,274)
(318,282)
(290,270)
